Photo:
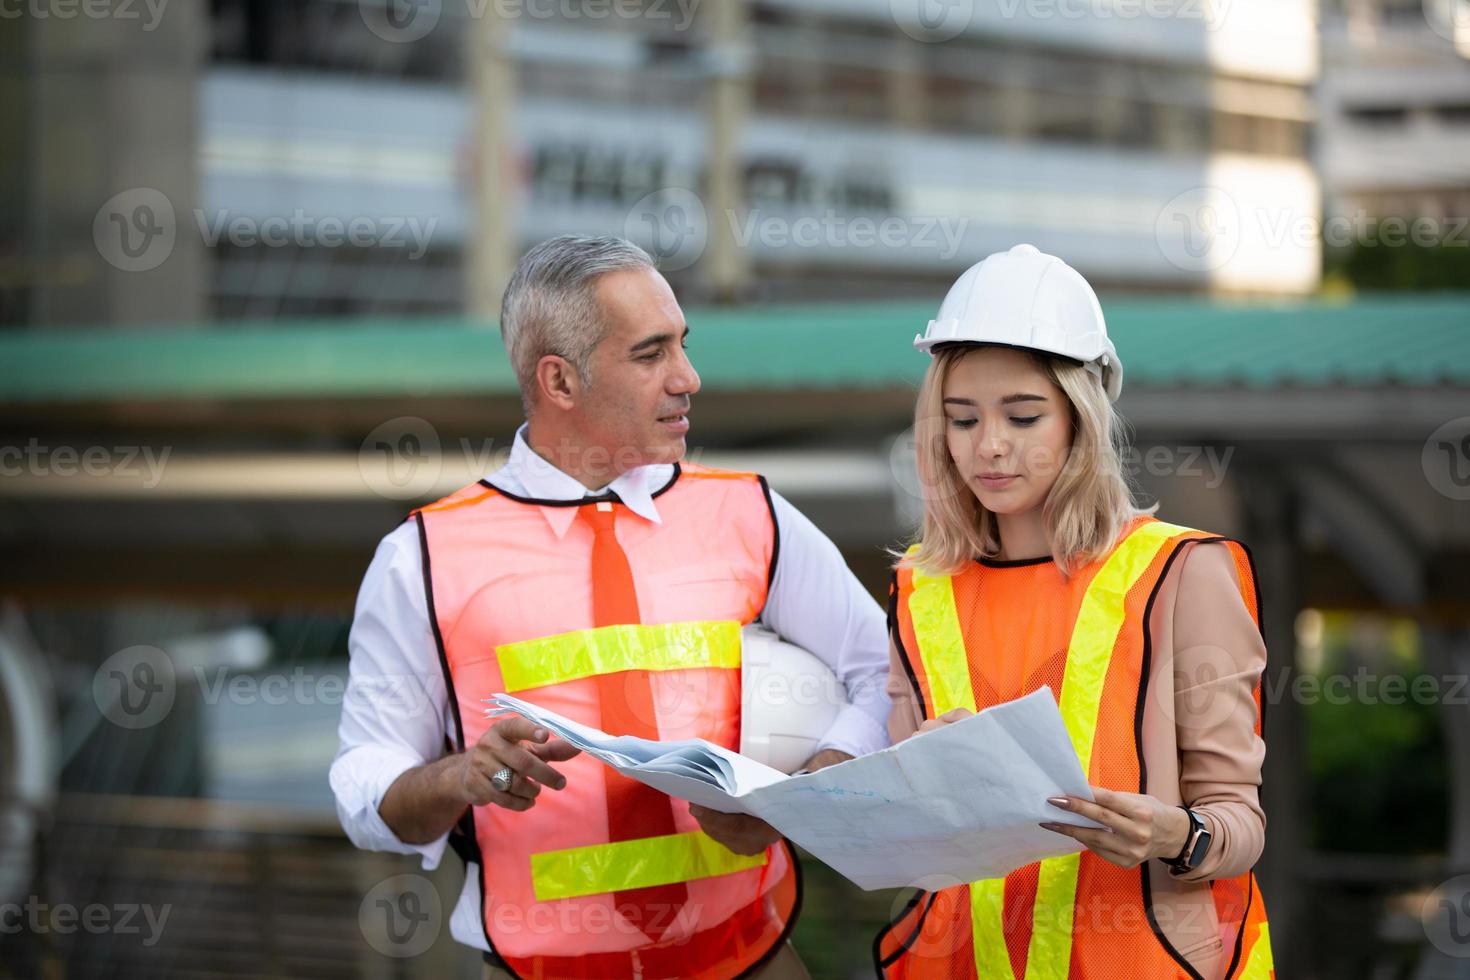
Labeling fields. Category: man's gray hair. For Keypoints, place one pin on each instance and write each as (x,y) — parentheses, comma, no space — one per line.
(550,305)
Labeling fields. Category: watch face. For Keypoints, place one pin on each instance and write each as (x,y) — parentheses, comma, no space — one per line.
(1200,849)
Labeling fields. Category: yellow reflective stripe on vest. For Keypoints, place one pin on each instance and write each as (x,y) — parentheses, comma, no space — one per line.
(1261,964)
(936,622)
(1094,635)
(987,926)
(625,865)
(941,643)
(609,649)
(1100,619)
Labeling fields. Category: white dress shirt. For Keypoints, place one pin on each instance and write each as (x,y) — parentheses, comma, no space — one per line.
(396,713)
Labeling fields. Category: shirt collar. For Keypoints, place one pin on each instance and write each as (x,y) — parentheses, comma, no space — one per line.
(542,480)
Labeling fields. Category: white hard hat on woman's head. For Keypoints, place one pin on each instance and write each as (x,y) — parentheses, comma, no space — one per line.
(1028,299)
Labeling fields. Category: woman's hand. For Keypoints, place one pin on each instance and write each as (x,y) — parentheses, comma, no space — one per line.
(1139,827)
(948,718)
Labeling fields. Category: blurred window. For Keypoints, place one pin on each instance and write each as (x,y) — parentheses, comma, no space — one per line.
(1454,115)
(1381,116)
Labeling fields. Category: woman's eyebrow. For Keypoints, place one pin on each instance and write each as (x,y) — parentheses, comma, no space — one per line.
(1007,400)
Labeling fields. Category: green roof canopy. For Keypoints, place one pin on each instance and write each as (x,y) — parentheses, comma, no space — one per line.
(1369,341)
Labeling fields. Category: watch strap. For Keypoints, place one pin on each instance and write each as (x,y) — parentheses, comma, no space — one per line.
(1181,863)
(1194,825)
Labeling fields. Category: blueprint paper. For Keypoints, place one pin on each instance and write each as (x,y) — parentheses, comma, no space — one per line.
(942,808)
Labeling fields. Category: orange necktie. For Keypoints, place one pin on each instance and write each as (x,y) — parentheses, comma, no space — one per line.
(634,811)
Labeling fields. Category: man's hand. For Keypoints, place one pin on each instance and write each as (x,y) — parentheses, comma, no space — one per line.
(739,832)
(749,835)
(825,758)
(426,801)
(500,748)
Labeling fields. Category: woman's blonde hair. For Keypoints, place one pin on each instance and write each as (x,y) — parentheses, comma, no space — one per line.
(1086,508)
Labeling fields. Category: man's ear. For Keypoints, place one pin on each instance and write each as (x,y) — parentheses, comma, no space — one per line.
(557,382)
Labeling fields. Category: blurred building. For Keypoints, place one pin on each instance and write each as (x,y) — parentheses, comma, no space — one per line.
(1395,101)
(776,149)
(331,193)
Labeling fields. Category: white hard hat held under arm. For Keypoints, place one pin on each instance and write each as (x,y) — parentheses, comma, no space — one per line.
(788,699)
(1025,298)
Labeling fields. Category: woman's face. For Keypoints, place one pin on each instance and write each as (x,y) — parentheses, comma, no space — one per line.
(1008,428)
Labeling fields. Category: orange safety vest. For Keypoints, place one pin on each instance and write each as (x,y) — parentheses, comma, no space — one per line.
(1075,917)
(509,585)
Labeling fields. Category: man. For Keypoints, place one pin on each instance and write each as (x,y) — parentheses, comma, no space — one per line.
(597,575)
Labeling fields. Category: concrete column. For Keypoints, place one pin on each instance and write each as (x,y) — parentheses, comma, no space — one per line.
(1447,655)
(1271,520)
(493,244)
(907,100)
(111,153)
(1017,109)
(729,59)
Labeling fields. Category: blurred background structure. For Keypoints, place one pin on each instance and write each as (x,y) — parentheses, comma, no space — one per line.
(251,253)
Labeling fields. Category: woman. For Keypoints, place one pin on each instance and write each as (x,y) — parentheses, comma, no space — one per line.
(1034,567)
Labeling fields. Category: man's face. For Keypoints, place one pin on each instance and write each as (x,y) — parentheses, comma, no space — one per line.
(637,409)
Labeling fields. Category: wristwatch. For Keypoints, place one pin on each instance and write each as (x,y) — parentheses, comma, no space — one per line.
(1196,845)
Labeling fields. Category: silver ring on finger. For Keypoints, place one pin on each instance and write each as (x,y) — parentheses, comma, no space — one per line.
(502,780)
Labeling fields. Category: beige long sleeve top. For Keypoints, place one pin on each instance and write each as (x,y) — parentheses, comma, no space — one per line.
(1200,747)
